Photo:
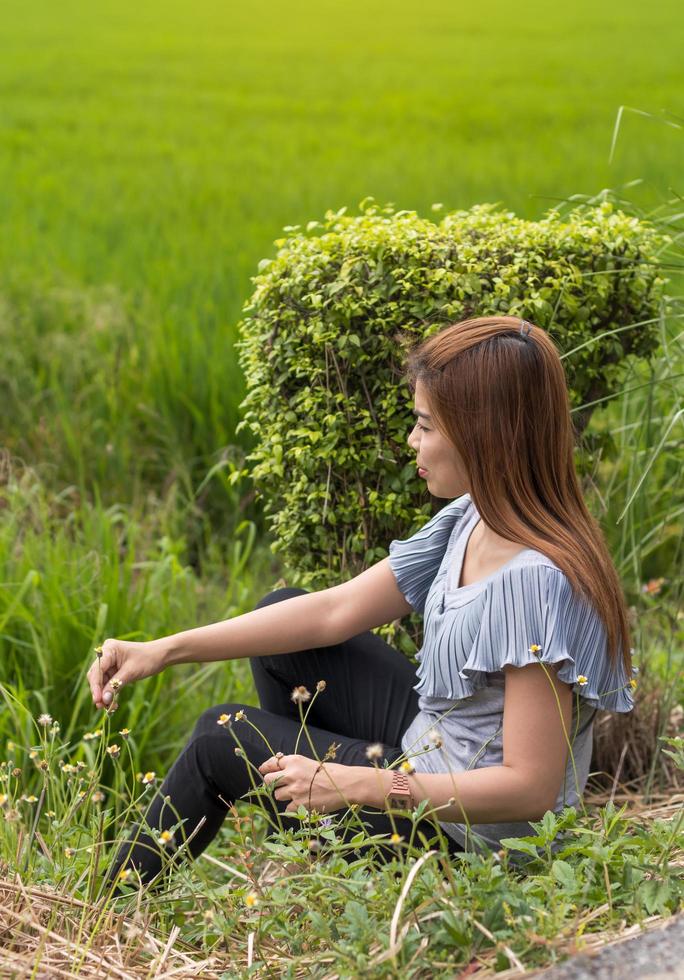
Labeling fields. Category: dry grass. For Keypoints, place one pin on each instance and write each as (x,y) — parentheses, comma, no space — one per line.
(46,934)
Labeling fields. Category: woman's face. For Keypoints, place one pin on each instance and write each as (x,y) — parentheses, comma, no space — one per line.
(440,463)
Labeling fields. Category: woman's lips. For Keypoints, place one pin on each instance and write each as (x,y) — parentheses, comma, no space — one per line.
(421,471)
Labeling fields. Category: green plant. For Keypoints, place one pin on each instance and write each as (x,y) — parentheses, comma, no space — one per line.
(323,333)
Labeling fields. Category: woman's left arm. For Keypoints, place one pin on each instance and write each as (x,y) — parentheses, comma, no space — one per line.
(536,734)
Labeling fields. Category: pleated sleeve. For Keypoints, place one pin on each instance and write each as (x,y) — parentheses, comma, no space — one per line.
(533,606)
(416,560)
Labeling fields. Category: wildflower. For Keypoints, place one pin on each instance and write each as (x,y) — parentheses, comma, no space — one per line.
(407,767)
(149,778)
(633,684)
(582,680)
(115,684)
(314,846)
(98,796)
(535,649)
(88,736)
(240,716)
(125,732)
(16,771)
(223,720)
(435,738)
(69,852)
(251,900)
(113,750)
(80,764)
(67,767)
(300,694)
(374,751)
(30,799)
(208,915)
(44,719)
(80,795)
(320,686)
(653,586)
(10,746)
(43,764)
(55,727)
(166,837)
(396,838)
(50,813)
(3,798)
(124,874)
(32,754)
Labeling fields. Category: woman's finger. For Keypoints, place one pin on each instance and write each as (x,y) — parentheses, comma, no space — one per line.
(270,765)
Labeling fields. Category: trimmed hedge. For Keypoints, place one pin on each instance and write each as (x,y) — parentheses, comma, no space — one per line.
(322,341)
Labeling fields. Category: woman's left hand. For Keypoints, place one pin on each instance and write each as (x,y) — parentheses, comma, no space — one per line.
(306,782)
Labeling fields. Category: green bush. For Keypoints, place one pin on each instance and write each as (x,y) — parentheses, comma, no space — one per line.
(323,335)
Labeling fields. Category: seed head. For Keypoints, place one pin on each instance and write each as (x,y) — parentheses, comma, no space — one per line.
(98,796)
(300,694)
(44,719)
(320,686)
(374,751)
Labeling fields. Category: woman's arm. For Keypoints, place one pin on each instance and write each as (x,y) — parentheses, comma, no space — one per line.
(536,732)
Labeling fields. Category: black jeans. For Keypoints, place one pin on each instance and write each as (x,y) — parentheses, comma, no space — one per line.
(369,697)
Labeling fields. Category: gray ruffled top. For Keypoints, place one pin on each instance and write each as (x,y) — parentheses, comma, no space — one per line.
(471,633)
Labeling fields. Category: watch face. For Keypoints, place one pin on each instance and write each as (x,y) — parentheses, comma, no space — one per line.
(402,802)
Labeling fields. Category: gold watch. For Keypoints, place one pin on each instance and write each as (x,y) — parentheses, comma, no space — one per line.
(400,795)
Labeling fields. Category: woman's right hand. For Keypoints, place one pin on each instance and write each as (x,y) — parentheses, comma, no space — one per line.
(124,661)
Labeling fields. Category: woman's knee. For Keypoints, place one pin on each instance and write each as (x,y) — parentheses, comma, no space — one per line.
(218,716)
(278,595)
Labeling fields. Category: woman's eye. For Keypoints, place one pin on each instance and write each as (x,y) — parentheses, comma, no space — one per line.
(422,427)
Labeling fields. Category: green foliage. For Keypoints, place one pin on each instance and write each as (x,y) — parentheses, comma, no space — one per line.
(323,335)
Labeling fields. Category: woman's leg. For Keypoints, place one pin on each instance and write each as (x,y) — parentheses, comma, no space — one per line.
(369,685)
(207,777)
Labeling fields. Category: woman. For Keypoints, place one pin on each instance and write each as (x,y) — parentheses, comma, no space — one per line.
(525,634)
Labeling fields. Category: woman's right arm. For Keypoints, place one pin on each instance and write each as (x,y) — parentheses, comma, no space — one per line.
(316,619)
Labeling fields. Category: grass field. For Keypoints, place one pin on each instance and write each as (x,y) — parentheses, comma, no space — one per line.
(158,149)
(150,153)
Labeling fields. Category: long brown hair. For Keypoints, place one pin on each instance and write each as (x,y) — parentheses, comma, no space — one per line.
(500,396)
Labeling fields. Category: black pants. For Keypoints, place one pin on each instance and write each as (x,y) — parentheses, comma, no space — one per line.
(368,698)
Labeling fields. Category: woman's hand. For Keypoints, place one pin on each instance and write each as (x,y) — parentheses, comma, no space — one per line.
(122,662)
(309,783)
